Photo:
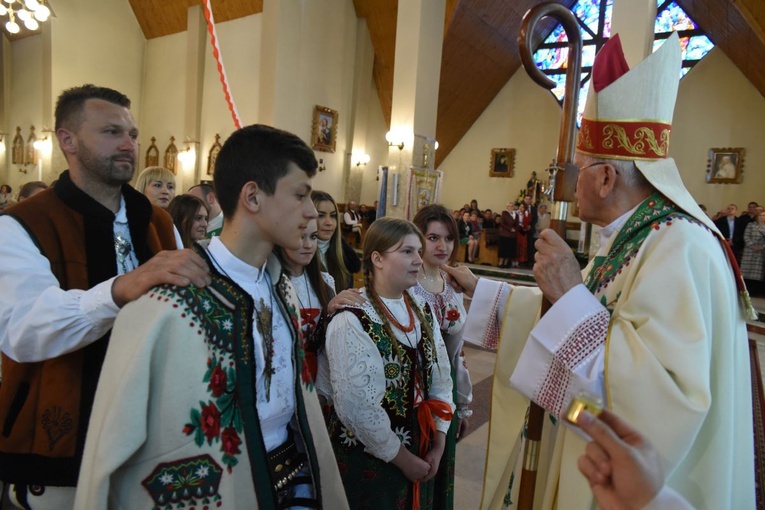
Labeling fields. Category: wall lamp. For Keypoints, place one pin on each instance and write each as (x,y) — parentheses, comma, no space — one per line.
(395,139)
(361,159)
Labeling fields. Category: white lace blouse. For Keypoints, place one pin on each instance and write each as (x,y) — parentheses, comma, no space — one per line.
(449,311)
(358,381)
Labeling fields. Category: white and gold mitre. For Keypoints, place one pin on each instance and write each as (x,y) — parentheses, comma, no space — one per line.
(628,114)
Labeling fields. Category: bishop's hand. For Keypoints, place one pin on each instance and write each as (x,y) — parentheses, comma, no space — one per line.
(556,269)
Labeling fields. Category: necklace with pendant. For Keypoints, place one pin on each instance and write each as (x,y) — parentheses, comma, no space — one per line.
(264,323)
(122,248)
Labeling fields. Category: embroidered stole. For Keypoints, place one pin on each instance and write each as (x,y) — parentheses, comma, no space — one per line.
(654,210)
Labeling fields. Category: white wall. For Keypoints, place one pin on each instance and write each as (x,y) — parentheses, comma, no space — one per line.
(326,66)
(523,116)
(99,42)
(376,147)
(716,107)
(25,108)
(239,43)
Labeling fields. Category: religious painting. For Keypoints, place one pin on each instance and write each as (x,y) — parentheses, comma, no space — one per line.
(152,154)
(725,165)
(502,162)
(171,156)
(423,189)
(324,133)
(213,155)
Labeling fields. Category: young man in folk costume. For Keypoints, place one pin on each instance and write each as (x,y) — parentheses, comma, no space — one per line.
(653,326)
(205,400)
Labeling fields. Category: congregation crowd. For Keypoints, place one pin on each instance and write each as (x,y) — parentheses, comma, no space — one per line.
(209,350)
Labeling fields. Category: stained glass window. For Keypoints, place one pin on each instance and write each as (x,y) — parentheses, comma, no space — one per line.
(594,18)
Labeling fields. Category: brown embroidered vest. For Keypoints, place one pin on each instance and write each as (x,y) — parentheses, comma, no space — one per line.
(45,406)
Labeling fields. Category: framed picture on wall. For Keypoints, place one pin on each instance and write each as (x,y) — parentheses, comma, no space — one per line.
(502,162)
(324,133)
(725,165)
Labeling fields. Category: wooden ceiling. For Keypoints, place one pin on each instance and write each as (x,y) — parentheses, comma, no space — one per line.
(165,17)
(480,51)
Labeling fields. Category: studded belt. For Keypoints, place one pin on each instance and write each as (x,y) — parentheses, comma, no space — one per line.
(286,462)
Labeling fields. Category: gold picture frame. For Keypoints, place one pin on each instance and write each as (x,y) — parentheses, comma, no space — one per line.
(324,132)
(502,163)
(725,165)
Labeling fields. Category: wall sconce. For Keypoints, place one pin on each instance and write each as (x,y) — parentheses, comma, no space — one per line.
(360,158)
(396,138)
(44,146)
(187,157)
(2,141)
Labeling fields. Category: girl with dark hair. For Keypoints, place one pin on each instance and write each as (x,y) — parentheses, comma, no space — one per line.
(314,288)
(390,380)
(190,218)
(440,231)
(337,257)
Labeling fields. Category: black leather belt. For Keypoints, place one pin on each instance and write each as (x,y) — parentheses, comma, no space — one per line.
(286,462)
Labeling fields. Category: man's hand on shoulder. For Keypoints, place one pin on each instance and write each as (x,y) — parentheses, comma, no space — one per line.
(556,269)
(175,267)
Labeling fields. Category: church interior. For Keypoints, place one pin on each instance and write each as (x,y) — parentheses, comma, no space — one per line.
(431,91)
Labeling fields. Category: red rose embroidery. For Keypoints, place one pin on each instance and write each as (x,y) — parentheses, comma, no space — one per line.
(231,441)
(452,315)
(218,381)
(210,421)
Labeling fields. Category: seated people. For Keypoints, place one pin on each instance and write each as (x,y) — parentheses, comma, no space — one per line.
(465,227)
(204,400)
(352,219)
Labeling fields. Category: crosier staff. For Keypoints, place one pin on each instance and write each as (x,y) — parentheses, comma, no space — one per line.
(563,175)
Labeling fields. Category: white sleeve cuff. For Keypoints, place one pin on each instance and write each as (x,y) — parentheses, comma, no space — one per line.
(97,304)
(486,309)
(564,316)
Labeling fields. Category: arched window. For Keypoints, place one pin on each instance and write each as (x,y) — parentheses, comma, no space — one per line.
(594,18)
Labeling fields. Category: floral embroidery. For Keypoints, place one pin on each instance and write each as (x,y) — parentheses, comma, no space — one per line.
(289,300)
(348,437)
(452,314)
(652,214)
(392,371)
(56,425)
(185,483)
(403,435)
(222,414)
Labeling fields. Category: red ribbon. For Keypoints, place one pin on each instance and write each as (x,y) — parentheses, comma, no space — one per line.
(219,62)
(425,412)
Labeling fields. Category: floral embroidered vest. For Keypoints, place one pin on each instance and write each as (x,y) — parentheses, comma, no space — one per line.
(399,398)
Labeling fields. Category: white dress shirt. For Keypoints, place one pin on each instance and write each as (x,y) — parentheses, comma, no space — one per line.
(38,319)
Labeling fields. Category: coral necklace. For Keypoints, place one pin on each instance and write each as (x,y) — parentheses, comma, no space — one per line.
(386,311)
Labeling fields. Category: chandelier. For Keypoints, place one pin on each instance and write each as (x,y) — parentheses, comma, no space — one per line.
(29,12)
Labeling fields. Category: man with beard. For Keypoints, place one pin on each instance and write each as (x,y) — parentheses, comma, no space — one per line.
(72,256)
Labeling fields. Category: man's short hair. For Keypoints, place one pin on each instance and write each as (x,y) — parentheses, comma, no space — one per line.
(260,154)
(204,188)
(71,102)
